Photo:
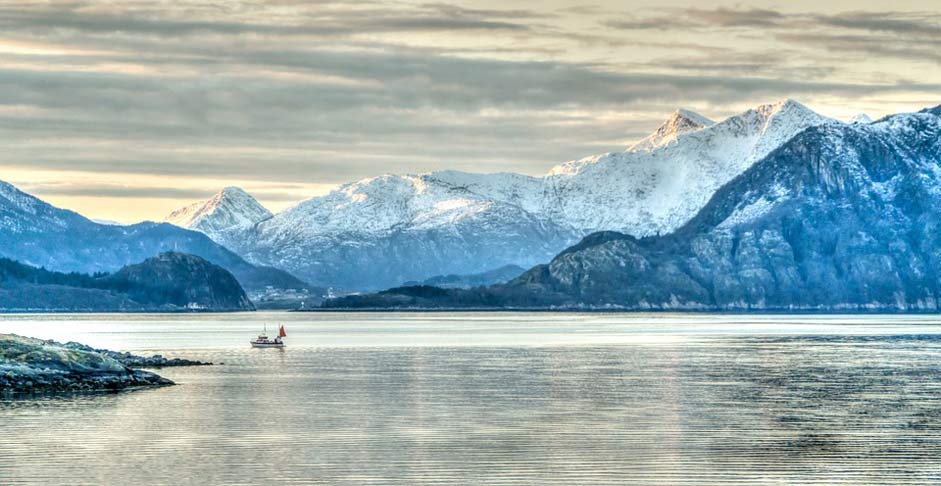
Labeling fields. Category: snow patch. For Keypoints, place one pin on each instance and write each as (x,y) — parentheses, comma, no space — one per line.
(755,209)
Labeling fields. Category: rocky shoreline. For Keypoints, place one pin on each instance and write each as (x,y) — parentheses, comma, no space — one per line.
(132,360)
(34,366)
(11,384)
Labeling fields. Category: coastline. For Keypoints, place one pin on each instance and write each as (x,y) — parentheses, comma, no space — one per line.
(30,366)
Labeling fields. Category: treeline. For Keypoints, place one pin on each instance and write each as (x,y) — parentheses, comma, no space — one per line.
(14,271)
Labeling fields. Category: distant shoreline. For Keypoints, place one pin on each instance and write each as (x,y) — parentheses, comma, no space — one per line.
(481,310)
(417,310)
(72,311)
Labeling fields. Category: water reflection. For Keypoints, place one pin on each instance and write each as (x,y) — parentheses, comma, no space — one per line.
(712,409)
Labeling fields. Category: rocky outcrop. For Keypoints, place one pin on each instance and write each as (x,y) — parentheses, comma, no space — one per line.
(131,360)
(34,366)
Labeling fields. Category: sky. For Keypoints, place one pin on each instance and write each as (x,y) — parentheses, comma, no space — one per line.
(126,110)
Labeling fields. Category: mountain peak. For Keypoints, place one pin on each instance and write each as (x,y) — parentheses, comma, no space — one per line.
(786,105)
(233,191)
(230,208)
(683,115)
(681,122)
(861,119)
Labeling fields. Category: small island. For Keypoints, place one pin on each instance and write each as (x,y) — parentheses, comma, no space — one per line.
(30,366)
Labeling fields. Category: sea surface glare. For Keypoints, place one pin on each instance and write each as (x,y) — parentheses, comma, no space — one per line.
(494,399)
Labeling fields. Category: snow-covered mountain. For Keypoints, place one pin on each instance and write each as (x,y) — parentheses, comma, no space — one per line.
(387,230)
(381,231)
(842,217)
(229,212)
(646,192)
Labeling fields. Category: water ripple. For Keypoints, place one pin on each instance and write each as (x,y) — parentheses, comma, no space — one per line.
(716,409)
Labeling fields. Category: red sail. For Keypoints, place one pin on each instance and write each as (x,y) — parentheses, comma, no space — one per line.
(282,333)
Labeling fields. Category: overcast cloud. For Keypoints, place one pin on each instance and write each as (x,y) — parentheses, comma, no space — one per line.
(126,110)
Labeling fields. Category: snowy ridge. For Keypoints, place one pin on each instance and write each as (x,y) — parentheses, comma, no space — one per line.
(648,192)
(18,199)
(639,191)
(23,213)
(653,187)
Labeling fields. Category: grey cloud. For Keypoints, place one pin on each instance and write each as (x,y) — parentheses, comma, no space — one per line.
(323,133)
(634,23)
(695,17)
(13,19)
(583,10)
(315,23)
(903,23)
(893,22)
(458,11)
(406,82)
(147,192)
(107,190)
(401,79)
(888,34)
(866,46)
(302,98)
(725,17)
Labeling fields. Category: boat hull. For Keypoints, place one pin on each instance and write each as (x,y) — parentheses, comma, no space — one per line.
(266,345)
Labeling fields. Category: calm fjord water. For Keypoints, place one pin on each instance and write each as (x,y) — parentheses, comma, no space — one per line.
(530,399)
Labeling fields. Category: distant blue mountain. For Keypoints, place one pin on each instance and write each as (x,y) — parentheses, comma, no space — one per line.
(36,233)
(842,217)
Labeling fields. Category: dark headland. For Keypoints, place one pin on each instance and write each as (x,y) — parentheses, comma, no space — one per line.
(35,366)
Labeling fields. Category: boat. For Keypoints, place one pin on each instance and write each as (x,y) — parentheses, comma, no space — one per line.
(263,342)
